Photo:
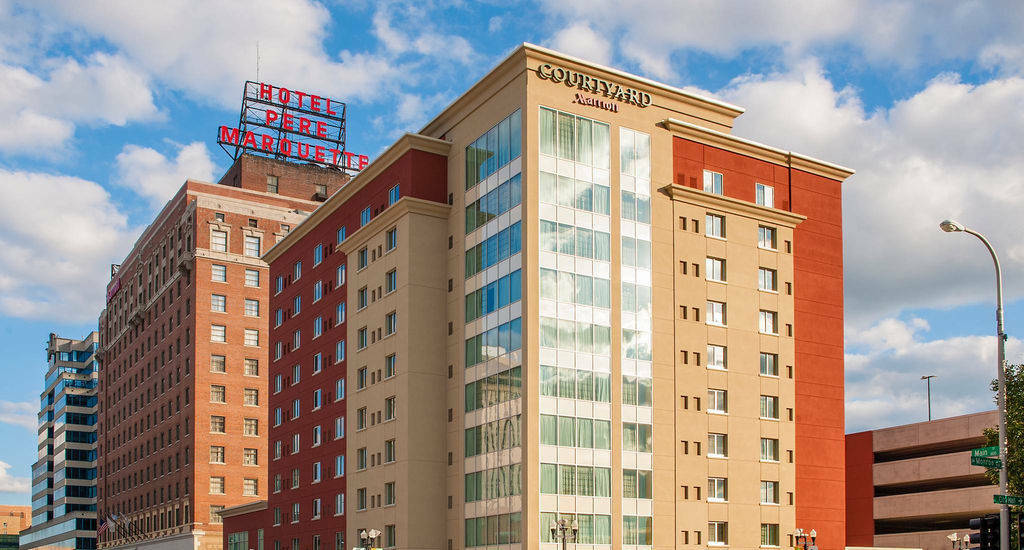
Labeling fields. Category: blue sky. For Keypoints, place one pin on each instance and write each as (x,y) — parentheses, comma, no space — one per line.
(105,109)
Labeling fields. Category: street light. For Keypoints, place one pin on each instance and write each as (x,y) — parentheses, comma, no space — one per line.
(928,380)
(367,538)
(563,529)
(802,536)
(959,543)
(950,226)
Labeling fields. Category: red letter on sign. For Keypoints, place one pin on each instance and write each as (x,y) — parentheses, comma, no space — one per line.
(329,111)
(321,129)
(266,92)
(304,125)
(271,116)
(319,153)
(301,95)
(229,135)
(268,142)
(314,102)
(335,153)
(364,161)
(303,154)
(283,95)
(286,121)
(250,140)
(348,159)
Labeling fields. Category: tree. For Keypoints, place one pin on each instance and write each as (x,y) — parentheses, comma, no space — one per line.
(1014,431)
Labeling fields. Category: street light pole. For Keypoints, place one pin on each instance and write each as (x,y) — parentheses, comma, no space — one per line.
(563,529)
(950,226)
(928,380)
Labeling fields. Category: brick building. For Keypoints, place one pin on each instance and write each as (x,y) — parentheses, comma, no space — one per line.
(183,341)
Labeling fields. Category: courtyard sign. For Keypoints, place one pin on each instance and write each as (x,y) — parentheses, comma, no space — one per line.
(582,81)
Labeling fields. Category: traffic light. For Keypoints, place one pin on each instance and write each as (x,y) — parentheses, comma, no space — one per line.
(1020,530)
(988,536)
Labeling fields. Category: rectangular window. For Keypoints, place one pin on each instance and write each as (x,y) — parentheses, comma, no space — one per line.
(361,298)
(769,534)
(251,426)
(718,489)
(339,465)
(339,389)
(339,351)
(250,457)
(390,323)
(391,239)
(218,333)
(364,216)
(361,338)
(342,234)
(389,451)
(218,363)
(770,407)
(339,427)
(389,493)
(390,408)
(362,258)
(318,254)
(318,291)
(769,492)
(361,498)
(219,273)
(217,454)
(296,371)
(718,533)
(717,357)
(252,367)
(715,269)
(216,485)
(766,237)
(715,313)
(252,307)
(361,462)
(318,327)
(271,184)
(252,278)
(252,337)
(296,408)
(279,284)
(218,302)
(766,279)
(769,364)
(278,416)
(718,401)
(251,397)
(296,305)
(297,271)
(768,322)
(252,246)
(713,182)
(718,445)
(317,399)
(769,449)
(339,276)
(361,378)
(361,418)
(278,383)
(295,519)
(249,487)
(217,424)
(391,281)
(317,470)
(219,241)
(764,195)
(714,225)
(390,363)
(296,339)
(295,450)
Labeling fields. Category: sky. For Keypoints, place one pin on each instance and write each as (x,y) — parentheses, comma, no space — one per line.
(106,108)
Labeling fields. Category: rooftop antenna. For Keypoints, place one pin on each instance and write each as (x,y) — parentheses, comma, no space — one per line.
(257,61)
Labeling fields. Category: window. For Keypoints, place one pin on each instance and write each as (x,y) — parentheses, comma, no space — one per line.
(389,451)
(318,291)
(318,254)
(217,394)
(715,313)
(278,383)
(339,389)
(252,307)
(718,533)
(250,457)
(766,237)
(361,299)
(718,445)
(391,281)
(296,305)
(252,277)
(252,246)
(277,521)
(279,284)
(769,492)
(297,271)
(717,357)
(251,426)
(768,322)
(317,399)
(295,449)
(296,339)
(770,407)
(764,195)
(714,225)
(769,449)
(277,416)
(718,489)
(339,469)
(252,367)
(712,182)
(361,378)
(252,337)
(392,195)
(769,534)
(218,303)
(216,454)
(766,279)
(361,337)
(362,258)
(219,216)
(277,483)
(271,184)
(295,478)
(251,397)
(361,458)
(296,371)
(215,514)
(361,499)
(364,216)
(769,364)
(321,190)
(249,487)
(216,485)
(317,471)
(635,437)
(389,366)
(218,363)
(342,234)
(635,483)
(501,144)
(339,427)
(389,493)
(219,241)
(361,418)
(389,408)
(718,401)
(390,535)
(296,408)
(318,327)
(339,276)
(219,273)
(390,323)
(715,269)
(391,239)
(295,519)
(339,351)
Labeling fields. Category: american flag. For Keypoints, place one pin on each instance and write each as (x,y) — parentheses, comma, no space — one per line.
(104,525)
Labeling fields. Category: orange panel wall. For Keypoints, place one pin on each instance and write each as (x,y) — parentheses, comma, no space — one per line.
(860,490)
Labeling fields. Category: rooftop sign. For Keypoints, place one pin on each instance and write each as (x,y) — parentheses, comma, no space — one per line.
(290,124)
(583,81)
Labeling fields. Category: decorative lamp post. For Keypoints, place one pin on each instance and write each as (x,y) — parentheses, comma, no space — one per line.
(563,530)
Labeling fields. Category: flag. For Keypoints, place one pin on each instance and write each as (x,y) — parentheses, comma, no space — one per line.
(104,525)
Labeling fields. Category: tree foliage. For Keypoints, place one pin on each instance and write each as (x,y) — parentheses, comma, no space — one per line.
(1014,430)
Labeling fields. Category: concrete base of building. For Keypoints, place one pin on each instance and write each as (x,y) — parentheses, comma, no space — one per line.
(196,540)
(925,540)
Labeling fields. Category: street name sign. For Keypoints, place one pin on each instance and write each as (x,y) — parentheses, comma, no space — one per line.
(985,451)
(1008,499)
(986,462)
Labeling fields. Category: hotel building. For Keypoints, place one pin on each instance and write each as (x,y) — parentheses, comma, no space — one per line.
(64,476)
(184,340)
(574,294)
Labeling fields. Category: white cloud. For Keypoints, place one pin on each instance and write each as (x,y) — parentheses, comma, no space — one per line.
(20,413)
(13,484)
(582,41)
(155,177)
(59,237)
(883,376)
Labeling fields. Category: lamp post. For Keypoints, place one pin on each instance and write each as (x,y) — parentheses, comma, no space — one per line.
(950,226)
(959,543)
(928,380)
(367,538)
(801,536)
(563,529)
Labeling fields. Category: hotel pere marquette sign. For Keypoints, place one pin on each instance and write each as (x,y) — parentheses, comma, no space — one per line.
(596,86)
(291,125)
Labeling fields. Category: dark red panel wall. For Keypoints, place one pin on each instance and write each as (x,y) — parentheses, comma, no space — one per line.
(860,490)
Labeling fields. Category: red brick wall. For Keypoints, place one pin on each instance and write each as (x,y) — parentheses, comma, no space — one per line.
(294,180)
(860,490)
